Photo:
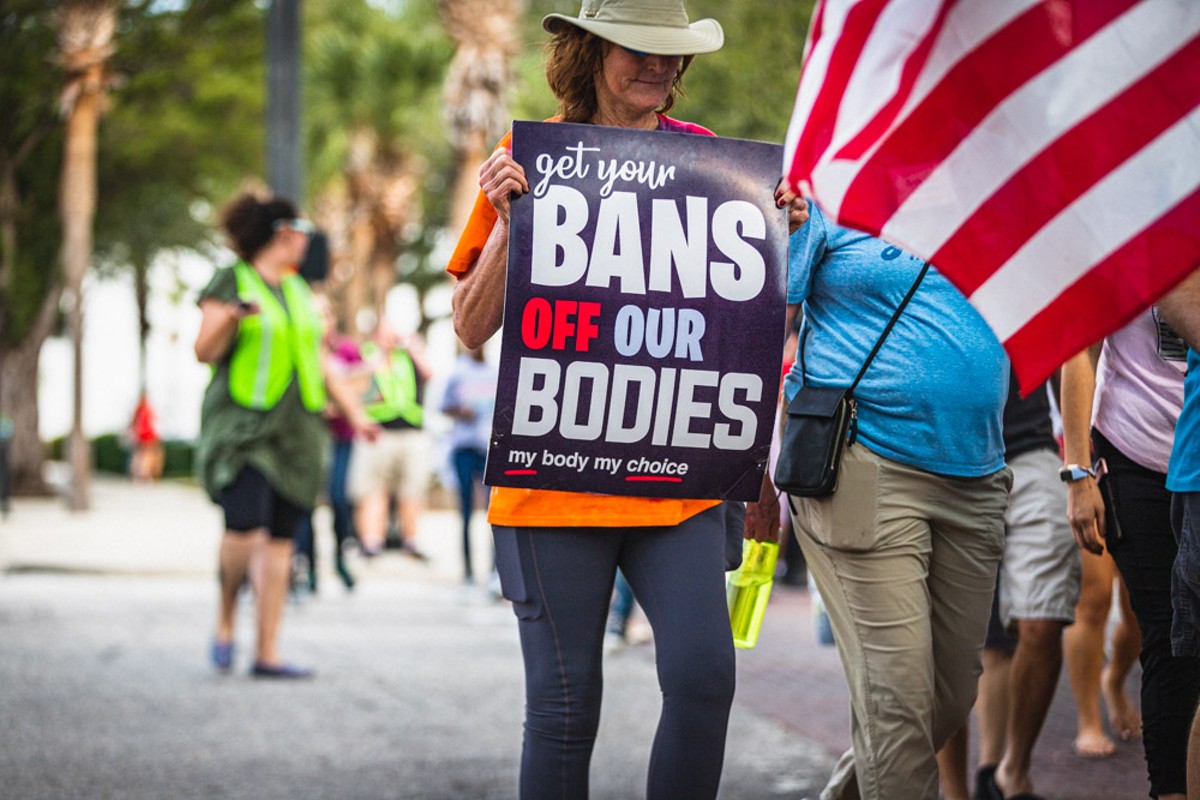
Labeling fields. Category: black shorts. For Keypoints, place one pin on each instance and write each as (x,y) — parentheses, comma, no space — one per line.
(250,502)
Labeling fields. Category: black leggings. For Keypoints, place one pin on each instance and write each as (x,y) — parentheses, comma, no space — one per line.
(1138,533)
(560,581)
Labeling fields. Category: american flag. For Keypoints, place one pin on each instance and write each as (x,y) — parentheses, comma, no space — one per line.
(1043,154)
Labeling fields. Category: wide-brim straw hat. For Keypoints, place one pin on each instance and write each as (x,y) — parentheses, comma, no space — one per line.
(660,27)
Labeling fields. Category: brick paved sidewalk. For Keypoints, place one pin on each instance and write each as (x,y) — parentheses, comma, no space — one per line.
(798,682)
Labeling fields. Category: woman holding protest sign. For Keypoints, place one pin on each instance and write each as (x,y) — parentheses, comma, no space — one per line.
(618,64)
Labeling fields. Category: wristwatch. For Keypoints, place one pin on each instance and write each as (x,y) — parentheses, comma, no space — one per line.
(1076,472)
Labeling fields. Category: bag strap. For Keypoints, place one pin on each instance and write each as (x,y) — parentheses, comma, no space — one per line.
(891,324)
(879,342)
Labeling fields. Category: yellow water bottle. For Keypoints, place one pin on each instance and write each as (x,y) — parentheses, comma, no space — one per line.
(748,588)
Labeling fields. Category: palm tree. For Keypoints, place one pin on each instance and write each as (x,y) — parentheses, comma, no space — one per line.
(475,95)
(372,81)
(86,31)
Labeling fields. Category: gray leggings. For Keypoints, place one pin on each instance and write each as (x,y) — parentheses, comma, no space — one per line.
(560,582)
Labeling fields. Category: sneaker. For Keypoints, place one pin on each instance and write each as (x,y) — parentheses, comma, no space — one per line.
(344,573)
(409,549)
(221,654)
(285,671)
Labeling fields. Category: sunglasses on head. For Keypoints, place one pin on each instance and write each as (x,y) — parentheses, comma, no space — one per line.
(299,225)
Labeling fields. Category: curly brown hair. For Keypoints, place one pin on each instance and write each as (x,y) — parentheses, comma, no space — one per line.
(250,222)
(574,61)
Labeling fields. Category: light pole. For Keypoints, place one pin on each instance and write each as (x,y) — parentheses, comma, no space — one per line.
(285,145)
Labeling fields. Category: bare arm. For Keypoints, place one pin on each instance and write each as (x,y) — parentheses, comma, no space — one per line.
(218,325)
(1085,504)
(347,396)
(762,516)
(1181,309)
(415,347)
(478,300)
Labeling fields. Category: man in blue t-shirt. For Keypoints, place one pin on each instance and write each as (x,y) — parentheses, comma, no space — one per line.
(1181,310)
(905,551)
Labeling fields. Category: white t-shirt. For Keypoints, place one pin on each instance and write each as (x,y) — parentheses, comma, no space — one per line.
(1139,389)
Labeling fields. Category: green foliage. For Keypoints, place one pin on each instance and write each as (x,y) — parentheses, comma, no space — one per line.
(372,68)
(185,124)
(109,454)
(178,459)
(747,89)
(31,146)
(380,68)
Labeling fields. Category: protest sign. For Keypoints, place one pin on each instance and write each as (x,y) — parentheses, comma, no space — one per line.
(643,314)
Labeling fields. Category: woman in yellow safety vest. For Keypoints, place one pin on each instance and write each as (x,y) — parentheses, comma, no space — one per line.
(259,454)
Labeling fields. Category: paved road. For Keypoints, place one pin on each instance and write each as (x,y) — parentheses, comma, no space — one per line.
(105,692)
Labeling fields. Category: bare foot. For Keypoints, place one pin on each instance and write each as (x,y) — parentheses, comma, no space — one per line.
(1126,720)
(1094,744)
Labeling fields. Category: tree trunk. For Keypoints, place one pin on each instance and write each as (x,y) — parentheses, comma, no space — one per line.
(78,203)
(86,31)
(466,183)
(19,399)
(141,292)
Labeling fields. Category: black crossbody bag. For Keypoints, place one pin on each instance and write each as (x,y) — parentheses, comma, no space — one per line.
(821,423)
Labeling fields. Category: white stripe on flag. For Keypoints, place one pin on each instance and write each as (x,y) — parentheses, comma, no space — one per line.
(897,32)
(969,24)
(1112,212)
(833,17)
(1033,118)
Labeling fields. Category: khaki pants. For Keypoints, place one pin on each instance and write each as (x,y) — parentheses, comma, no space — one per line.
(905,561)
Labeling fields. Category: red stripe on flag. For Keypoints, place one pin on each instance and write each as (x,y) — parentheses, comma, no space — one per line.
(1110,295)
(964,97)
(1071,166)
(865,139)
(818,133)
(816,25)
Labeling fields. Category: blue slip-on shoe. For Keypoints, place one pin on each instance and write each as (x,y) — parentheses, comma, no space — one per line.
(287,671)
(222,655)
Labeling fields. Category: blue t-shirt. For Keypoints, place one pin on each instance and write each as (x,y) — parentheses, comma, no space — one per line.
(933,398)
(1183,473)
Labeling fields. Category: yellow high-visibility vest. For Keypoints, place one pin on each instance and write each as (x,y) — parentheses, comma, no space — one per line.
(393,391)
(276,343)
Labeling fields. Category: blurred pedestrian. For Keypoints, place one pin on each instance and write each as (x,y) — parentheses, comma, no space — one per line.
(1121,400)
(616,630)
(259,452)
(1084,655)
(469,399)
(146,462)
(393,464)
(1181,309)
(346,376)
(1038,587)
(617,64)
(6,434)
